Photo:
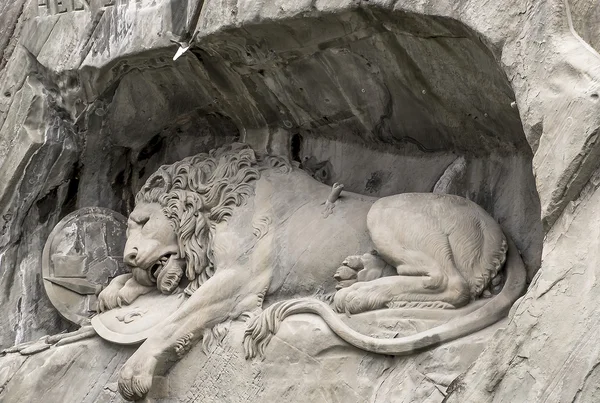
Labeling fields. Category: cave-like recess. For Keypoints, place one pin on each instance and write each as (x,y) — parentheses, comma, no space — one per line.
(384,102)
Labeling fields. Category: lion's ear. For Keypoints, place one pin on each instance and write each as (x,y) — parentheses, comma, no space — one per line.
(156,181)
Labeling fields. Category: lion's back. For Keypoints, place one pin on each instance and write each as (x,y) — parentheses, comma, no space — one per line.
(309,242)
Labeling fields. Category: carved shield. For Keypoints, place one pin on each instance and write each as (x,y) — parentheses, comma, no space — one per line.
(133,323)
(83,253)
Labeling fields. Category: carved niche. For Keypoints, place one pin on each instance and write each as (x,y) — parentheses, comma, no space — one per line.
(238,235)
(238,232)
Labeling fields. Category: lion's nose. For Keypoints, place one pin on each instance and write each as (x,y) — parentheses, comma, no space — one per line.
(129,258)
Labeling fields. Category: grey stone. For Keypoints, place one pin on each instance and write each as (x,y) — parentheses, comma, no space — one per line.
(328,368)
(384,96)
(245,232)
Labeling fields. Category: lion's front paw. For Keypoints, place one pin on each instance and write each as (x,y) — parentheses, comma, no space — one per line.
(135,378)
(108,298)
(130,291)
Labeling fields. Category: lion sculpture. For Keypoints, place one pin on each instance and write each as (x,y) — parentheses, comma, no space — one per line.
(243,230)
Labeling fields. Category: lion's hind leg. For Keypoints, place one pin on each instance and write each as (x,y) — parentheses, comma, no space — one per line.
(421,282)
(391,292)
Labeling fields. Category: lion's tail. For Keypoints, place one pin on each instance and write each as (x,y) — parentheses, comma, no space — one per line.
(261,328)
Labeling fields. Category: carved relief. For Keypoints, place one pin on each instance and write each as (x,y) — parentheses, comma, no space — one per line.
(131,316)
(232,234)
(53,7)
(215,223)
(83,252)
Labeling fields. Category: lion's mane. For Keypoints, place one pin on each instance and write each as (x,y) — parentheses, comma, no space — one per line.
(200,191)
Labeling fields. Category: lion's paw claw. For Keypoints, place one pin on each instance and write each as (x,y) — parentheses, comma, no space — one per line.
(135,380)
(354,262)
(346,274)
(107,300)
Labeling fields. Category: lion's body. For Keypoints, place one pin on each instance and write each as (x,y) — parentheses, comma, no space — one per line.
(250,232)
(308,247)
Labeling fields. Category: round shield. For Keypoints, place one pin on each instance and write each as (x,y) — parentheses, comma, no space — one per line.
(132,324)
(83,253)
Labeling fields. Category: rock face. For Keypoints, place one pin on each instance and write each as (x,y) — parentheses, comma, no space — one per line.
(495,102)
(329,370)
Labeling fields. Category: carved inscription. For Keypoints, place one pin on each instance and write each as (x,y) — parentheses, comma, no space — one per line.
(53,7)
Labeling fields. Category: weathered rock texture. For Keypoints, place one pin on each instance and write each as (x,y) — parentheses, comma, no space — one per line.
(385,96)
(318,367)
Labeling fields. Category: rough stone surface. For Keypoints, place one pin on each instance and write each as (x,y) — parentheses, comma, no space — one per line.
(330,370)
(463,97)
(547,352)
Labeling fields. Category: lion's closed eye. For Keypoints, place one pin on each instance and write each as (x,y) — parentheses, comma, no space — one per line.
(137,220)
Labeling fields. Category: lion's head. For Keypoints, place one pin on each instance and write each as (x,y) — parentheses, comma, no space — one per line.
(170,230)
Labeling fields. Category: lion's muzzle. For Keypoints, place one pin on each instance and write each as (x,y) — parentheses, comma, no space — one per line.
(165,273)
